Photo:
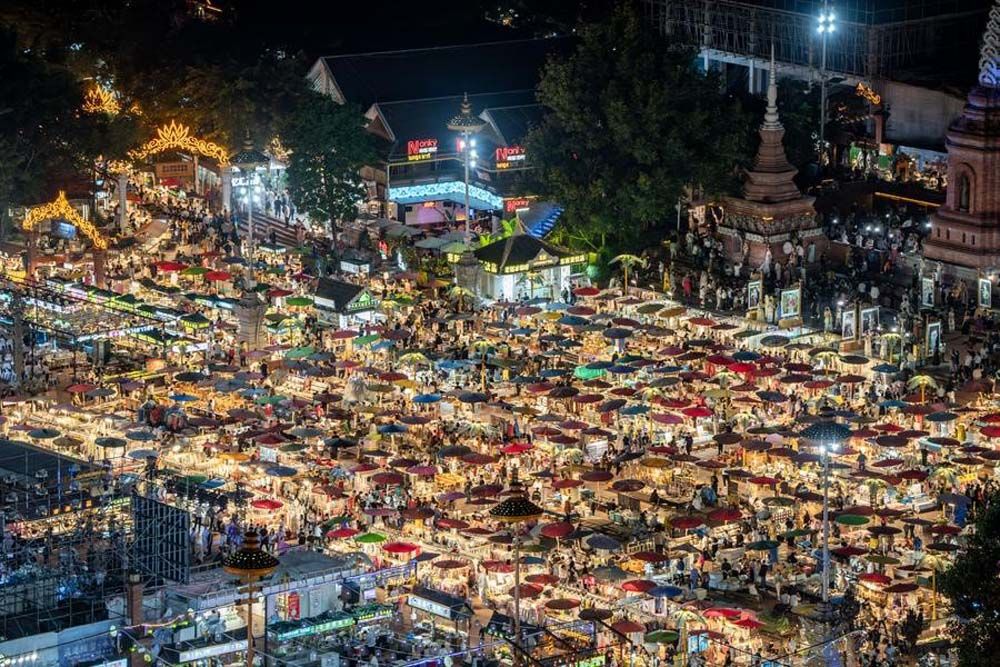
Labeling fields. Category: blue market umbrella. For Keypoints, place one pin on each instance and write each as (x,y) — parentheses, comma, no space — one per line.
(941,417)
(599,365)
(551,338)
(140,436)
(142,454)
(572,321)
(306,432)
(634,410)
(281,471)
(213,483)
(43,433)
(617,333)
(612,405)
(391,429)
(746,355)
(603,542)
(556,305)
(888,369)
(522,331)
(426,399)
(666,369)
(183,398)
(771,396)
(622,369)
(894,403)
(109,442)
(473,397)
(190,376)
(665,591)
(554,372)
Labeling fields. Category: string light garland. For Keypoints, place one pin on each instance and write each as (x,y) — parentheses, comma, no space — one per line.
(866,92)
(60,208)
(175,136)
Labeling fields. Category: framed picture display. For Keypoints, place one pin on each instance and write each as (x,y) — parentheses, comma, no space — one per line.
(926,292)
(791,303)
(754,288)
(849,325)
(869,320)
(932,338)
(985,293)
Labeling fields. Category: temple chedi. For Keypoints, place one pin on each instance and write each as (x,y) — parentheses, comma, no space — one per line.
(965,230)
(772,210)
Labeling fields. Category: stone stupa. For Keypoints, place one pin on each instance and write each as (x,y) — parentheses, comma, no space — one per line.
(772,210)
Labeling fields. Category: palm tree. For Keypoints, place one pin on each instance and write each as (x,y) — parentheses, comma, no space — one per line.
(628,261)
(532,279)
(460,294)
(922,381)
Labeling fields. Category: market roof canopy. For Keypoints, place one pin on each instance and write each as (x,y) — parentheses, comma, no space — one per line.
(60,208)
(522,252)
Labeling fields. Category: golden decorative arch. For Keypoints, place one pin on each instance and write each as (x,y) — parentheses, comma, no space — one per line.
(101,100)
(178,137)
(60,208)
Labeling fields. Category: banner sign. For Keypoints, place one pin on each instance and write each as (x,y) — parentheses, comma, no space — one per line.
(174,169)
(421,149)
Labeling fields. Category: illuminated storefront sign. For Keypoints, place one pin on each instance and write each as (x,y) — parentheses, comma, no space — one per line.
(429,606)
(515,205)
(212,651)
(421,149)
(480,198)
(510,156)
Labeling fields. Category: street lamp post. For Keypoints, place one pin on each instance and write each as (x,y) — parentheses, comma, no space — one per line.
(248,161)
(467,124)
(251,565)
(828,435)
(826,26)
(516,510)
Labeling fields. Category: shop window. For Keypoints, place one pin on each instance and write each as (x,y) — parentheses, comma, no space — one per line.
(939,232)
(973,239)
(947,234)
(963,237)
(964,193)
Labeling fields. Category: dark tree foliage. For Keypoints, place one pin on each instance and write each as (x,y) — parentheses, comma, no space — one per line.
(973,587)
(329,146)
(633,125)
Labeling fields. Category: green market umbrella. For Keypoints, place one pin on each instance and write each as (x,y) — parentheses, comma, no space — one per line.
(299,301)
(272,400)
(299,353)
(762,545)
(195,479)
(293,448)
(660,637)
(851,520)
(361,341)
(370,538)
(195,271)
(584,373)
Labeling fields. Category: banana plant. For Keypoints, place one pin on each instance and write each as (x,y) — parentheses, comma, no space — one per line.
(627,261)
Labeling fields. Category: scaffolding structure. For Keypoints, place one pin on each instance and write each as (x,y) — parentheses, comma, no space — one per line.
(875,39)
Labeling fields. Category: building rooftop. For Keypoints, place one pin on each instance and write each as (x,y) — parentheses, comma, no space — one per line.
(391,76)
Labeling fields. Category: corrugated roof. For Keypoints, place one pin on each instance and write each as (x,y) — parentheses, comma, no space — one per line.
(391,76)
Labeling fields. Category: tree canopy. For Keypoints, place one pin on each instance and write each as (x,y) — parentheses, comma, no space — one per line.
(329,146)
(632,124)
(973,587)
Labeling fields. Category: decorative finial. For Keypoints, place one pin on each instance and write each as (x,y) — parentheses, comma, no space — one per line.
(989,53)
(771,120)
(466,106)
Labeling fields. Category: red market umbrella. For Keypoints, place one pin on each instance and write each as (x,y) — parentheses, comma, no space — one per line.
(387,478)
(516,448)
(449,564)
(342,533)
(666,418)
(651,556)
(725,515)
(452,524)
(169,267)
(562,604)
(268,504)
(544,579)
(627,627)
(586,291)
(81,388)
(218,276)
(528,591)
(638,585)
(697,412)
(748,623)
(557,530)
(628,485)
(763,481)
(399,547)
(875,578)
(722,612)
(597,476)
(846,552)
(686,522)
(566,483)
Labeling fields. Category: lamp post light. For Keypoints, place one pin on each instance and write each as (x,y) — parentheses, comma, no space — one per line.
(826,24)
(248,161)
(516,510)
(828,436)
(467,124)
(251,565)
